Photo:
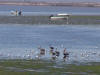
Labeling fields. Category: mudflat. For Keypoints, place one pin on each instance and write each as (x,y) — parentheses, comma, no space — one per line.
(72,20)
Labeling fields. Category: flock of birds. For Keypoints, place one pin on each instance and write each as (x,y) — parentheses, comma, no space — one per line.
(41,52)
(54,54)
(16,13)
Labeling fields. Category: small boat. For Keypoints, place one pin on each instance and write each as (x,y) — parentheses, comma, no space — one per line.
(63,14)
(58,18)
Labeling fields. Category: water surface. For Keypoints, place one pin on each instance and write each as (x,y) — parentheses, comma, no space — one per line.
(83,42)
(45,10)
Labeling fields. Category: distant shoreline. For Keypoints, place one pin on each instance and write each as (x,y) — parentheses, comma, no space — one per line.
(28,3)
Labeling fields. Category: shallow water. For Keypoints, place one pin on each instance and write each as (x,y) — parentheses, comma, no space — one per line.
(45,10)
(22,41)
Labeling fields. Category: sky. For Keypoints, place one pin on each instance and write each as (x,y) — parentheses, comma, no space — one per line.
(58,0)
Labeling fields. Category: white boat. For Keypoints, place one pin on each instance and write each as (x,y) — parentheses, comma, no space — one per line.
(63,14)
(57,18)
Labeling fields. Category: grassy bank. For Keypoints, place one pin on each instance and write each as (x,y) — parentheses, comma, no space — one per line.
(73,20)
(40,67)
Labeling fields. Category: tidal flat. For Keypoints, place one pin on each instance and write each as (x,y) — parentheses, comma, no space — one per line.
(44,67)
(45,19)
